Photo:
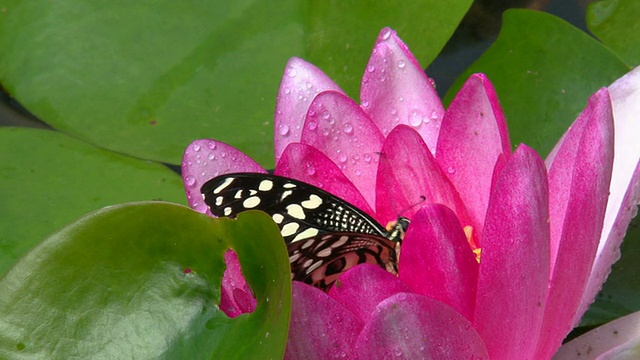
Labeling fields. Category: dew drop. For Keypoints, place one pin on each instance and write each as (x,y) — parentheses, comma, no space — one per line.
(287,91)
(386,34)
(223,155)
(211,146)
(358,172)
(283,130)
(400,98)
(326,115)
(365,103)
(211,157)
(190,180)
(371,68)
(196,147)
(342,158)
(415,119)
(348,128)
(434,115)
(394,111)
(311,170)
(291,72)
(367,158)
(401,64)
(451,170)
(312,125)
(309,85)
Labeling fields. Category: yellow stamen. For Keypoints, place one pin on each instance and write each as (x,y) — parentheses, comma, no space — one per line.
(468,232)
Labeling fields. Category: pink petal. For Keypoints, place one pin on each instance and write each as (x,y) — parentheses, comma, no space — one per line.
(236,297)
(625,180)
(408,172)
(411,326)
(436,260)
(395,90)
(205,159)
(473,136)
(514,268)
(338,127)
(619,339)
(587,180)
(361,288)
(300,84)
(320,327)
(308,164)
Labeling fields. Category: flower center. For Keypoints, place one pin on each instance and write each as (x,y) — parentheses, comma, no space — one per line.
(468,231)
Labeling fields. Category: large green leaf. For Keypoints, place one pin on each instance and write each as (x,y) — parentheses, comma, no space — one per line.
(341,33)
(544,70)
(615,23)
(146,78)
(143,281)
(48,179)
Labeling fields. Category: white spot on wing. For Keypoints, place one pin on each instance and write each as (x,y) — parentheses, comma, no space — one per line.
(227,211)
(238,194)
(289,229)
(285,194)
(296,211)
(251,202)
(324,252)
(313,202)
(314,266)
(340,242)
(294,257)
(265,185)
(277,218)
(219,200)
(222,186)
(289,186)
(310,232)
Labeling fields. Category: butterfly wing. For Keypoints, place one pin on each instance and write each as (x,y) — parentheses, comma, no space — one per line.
(301,210)
(320,260)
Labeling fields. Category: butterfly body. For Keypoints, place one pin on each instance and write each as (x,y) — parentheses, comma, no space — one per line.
(325,235)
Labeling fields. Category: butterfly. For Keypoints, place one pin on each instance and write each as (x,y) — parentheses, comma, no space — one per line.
(325,235)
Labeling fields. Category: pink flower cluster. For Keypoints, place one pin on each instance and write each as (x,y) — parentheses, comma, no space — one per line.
(502,258)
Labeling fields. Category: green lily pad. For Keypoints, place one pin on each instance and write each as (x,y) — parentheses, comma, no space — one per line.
(143,280)
(341,33)
(615,23)
(544,70)
(147,78)
(48,179)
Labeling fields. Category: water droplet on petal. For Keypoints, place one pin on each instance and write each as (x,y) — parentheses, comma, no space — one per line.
(434,115)
(342,158)
(311,170)
(312,125)
(415,118)
(223,155)
(211,157)
(386,34)
(190,180)
(283,130)
(196,147)
(287,91)
(371,68)
(326,115)
(365,103)
(401,64)
(348,128)
(211,146)
(291,72)
(367,158)
(451,170)
(358,172)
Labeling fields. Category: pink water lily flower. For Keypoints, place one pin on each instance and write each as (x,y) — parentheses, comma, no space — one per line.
(502,257)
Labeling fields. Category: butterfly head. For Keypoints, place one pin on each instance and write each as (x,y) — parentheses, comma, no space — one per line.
(397,229)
